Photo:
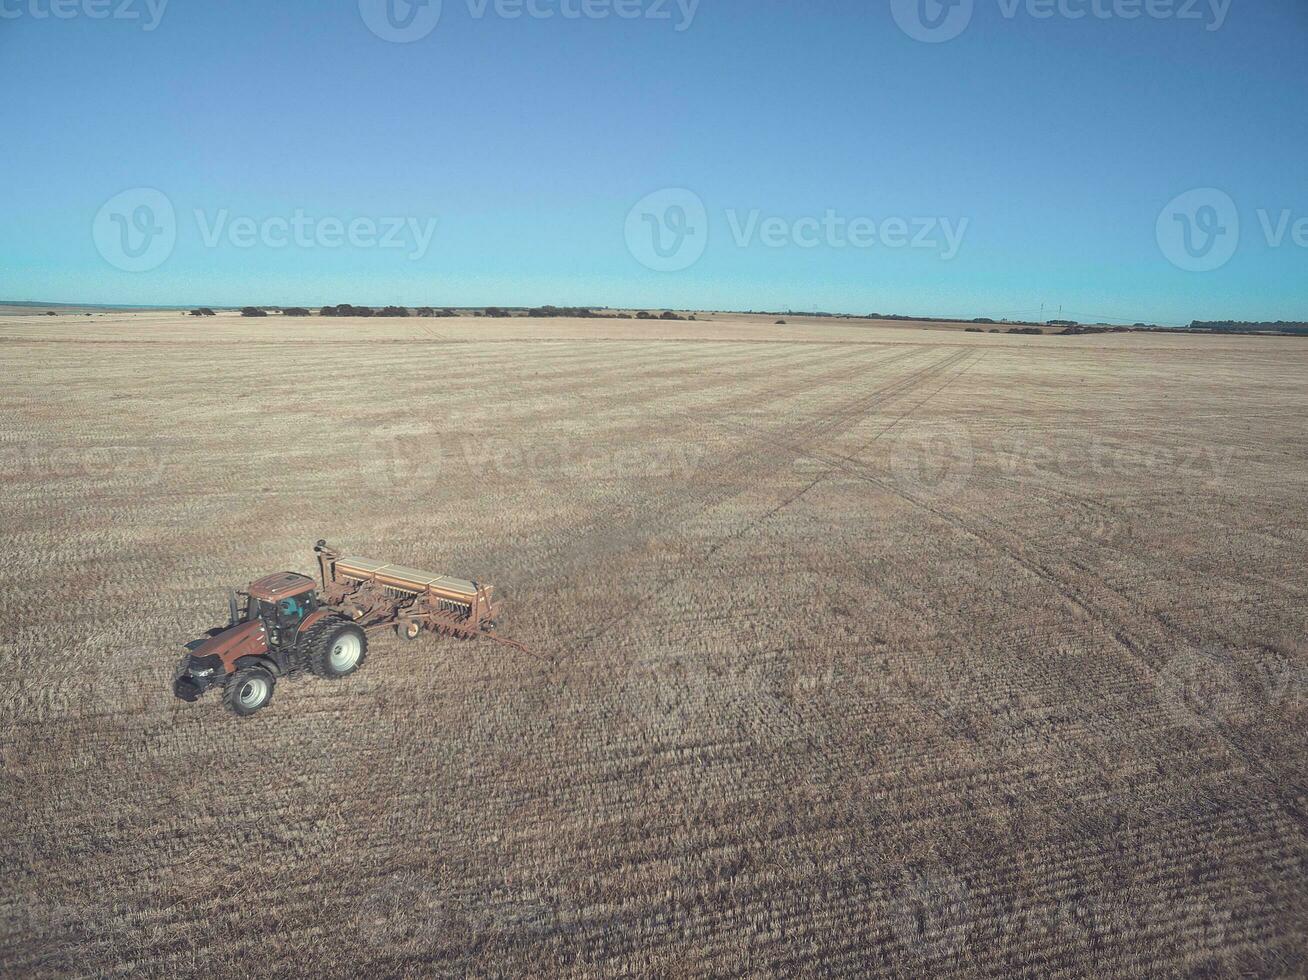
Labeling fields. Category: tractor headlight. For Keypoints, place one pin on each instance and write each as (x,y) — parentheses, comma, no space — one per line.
(202,672)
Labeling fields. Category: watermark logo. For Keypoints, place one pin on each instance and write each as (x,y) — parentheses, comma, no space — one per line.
(1199,231)
(932,21)
(399,459)
(148,13)
(1201,689)
(669,699)
(136,231)
(401,21)
(833,230)
(932,461)
(1286,685)
(588,10)
(931,914)
(121,466)
(405,21)
(935,21)
(1284,226)
(667,231)
(304,231)
(406,913)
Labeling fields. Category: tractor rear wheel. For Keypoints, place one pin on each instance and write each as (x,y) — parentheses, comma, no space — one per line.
(249,690)
(336,648)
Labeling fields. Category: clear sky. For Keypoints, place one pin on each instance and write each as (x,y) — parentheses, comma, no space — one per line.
(257,152)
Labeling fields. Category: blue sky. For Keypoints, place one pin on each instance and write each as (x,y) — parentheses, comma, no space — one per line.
(1046,144)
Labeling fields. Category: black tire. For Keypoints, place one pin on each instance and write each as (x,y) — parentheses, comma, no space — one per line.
(336,648)
(408,630)
(248,691)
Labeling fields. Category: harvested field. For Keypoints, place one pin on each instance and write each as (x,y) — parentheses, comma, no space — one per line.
(860,650)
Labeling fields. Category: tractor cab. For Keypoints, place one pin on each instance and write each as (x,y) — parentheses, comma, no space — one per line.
(281,602)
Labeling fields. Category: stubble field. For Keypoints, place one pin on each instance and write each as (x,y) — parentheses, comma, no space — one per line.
(856,649)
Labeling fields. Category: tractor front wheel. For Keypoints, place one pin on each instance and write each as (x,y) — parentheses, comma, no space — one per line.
(336,648)
(249,690)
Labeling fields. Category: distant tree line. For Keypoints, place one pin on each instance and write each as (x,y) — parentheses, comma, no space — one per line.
(544,312)
(494,312)
(1076,329)
(348,309)
(1295,328)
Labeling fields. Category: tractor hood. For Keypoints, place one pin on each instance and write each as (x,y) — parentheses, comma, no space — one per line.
(241,640)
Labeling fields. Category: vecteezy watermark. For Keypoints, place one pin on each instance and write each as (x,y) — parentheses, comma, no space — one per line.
(932,21)
(671,697)
(148,13)
(936,21)
(1201,689)
(138,466)
(301,230)
(1096,919)
(833,230)
(932,461)
(1286,225)
(399,459)
(23,697)
(668,231)
(401,21)
(1210,687)
(937,460)
(1191,466)
(137,231)
(406,21)
(406,912)
(931,913)
(682,11)
(411,914)
(1199,231)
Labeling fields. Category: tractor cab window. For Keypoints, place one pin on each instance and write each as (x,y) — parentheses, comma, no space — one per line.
(291,610)
(281,613)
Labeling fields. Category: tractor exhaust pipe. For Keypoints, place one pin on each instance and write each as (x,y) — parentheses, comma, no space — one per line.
(231,607)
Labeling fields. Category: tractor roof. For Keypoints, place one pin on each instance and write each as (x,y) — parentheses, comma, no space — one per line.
(270,588)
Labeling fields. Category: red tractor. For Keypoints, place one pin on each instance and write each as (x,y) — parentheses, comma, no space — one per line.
(290,623)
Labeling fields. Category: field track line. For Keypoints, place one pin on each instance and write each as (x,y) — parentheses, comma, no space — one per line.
(835,419)
(822,477)
(1114,625)
(670,501)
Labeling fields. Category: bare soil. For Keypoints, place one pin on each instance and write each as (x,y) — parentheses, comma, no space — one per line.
(860,650)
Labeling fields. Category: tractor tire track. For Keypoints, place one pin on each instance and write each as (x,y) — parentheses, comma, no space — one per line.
(1018,549)
(771,449)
